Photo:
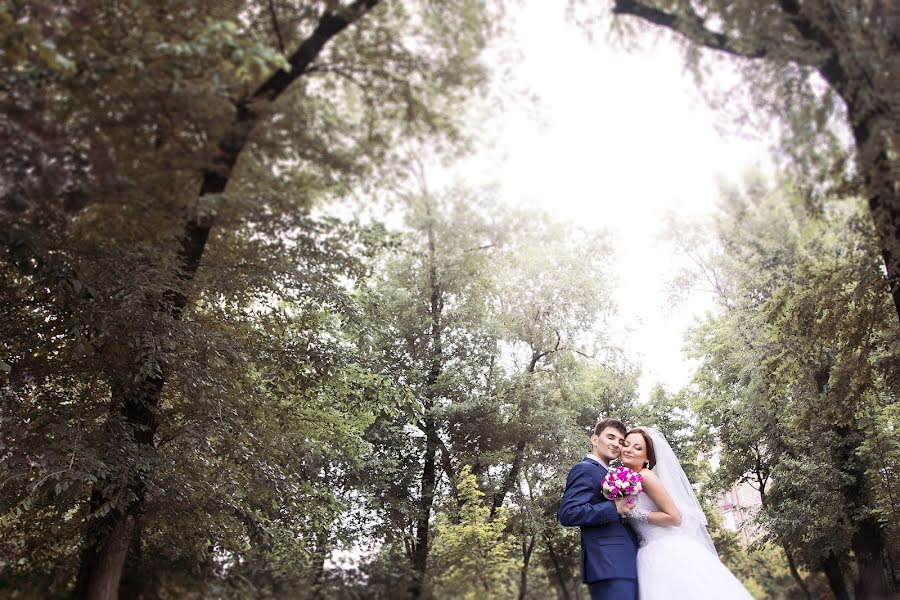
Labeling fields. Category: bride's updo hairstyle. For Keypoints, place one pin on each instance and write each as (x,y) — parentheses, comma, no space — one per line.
(648,444)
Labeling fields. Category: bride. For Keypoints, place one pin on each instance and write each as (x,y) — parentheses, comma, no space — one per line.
(677,558)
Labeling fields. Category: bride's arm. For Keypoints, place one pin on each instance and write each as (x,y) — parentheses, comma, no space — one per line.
(668,514)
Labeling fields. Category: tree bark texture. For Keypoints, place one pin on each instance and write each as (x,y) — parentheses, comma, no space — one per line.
(873,577)
(132,424)
(426,501)
(102,561)
(831,567)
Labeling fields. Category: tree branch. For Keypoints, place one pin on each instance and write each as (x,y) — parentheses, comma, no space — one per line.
(830,68)
(446,464)
(275,26)
(233,141)
(691,26)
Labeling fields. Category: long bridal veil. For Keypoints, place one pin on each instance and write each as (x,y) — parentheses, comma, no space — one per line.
(672,476)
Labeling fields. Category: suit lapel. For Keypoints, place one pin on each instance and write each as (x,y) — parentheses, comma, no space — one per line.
(597,464)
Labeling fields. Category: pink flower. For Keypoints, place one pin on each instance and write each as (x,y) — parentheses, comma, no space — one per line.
(621,482)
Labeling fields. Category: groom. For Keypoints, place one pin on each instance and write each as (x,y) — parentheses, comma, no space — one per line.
(608,549)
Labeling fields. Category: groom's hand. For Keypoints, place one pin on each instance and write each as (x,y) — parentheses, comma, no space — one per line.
(624,506)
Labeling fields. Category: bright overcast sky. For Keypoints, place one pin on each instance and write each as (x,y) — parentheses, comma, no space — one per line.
(618,140)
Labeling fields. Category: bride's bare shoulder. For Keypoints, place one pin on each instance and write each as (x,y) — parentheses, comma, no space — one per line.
(648,475)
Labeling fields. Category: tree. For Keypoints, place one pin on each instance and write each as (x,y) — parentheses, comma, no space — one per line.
(785,50)
(153,141)
(266,399)
(553,301)
(431,297)
(494,364)
(762,567)
(474,560)
(793,367)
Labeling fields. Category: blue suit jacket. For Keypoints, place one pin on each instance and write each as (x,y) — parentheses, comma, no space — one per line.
(608,548)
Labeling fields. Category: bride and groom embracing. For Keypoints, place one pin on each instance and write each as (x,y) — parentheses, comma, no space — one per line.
(657,547)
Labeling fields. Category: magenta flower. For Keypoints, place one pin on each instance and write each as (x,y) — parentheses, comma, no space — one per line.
(621,482)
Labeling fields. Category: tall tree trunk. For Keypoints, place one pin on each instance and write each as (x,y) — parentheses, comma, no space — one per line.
(527,549)
(885,209)
(132,423)
(519,453)
(557,568)
(873,105)
(792,566)
(322,549)
(426,500)
(873,579)
(880,168)
(137,580)
(429,470)
(868,540)
(102,562)
(762,478)
(107,539)
(831,567)
(511,477)
(865,84)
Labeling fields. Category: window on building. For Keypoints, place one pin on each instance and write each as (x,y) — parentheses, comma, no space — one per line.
(730,522)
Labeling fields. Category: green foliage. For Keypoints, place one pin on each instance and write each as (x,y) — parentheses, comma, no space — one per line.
(880,452)
(762,566)
(673,416)
(261,436)
(797,377)
(321,368)
(472,557)
(498,370)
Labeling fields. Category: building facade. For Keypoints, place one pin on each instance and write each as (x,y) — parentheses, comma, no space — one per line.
(737,507)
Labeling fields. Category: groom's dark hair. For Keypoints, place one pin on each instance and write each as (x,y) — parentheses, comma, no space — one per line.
(604,423)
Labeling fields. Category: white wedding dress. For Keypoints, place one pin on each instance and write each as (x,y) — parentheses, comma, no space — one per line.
(680,562)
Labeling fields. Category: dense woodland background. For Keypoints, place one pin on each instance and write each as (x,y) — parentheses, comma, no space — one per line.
(212,386)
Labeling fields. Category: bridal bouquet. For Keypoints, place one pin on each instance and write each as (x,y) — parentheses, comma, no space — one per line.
(621,482)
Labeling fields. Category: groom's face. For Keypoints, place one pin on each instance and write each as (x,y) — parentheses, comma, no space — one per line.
(608,444)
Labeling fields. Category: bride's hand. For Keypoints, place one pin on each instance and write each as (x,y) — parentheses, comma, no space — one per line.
(624,506)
